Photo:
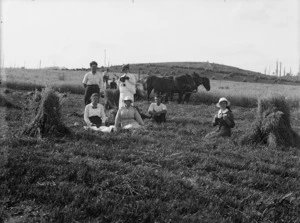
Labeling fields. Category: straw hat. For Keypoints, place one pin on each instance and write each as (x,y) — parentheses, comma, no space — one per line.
(223,99)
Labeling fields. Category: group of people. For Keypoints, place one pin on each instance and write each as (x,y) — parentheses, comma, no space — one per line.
(128,117)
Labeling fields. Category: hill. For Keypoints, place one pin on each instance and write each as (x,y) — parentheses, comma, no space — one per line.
(210,70)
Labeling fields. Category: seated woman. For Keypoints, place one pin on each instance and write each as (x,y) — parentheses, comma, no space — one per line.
(128,117)
(94,114)
(223,119)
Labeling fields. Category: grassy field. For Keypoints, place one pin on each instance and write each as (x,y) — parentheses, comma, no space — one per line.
(168,173)
(240,93)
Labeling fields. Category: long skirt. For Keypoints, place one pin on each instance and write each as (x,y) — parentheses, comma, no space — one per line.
(89,90)
(122,96)
(96,120)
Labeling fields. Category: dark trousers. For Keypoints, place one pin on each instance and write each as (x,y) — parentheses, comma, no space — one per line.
(89,90)
(96,120)
(160,118)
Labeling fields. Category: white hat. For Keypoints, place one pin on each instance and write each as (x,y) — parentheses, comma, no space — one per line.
(223,99)
(128,98)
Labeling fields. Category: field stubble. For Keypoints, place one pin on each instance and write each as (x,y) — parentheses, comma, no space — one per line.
(167,174)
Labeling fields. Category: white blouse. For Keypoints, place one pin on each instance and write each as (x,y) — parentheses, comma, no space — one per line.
(93,79)
(89,111)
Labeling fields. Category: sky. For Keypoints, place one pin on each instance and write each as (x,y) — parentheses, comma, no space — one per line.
(249,34)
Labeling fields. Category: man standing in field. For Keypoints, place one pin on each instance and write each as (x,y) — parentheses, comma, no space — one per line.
(126,84)
(92,82)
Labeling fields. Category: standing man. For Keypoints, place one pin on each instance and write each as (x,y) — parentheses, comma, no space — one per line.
(92,82)
(126,84)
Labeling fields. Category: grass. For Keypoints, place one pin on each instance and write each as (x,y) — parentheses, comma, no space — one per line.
(168,174)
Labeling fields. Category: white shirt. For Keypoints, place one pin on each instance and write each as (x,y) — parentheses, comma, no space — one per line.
(157,108)
(89,111)
(93,79)
(222,112)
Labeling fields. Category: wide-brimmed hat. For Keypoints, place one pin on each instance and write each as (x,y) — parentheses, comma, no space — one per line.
(128,98)
(223,99)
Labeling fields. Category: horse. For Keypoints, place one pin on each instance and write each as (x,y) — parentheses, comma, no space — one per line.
(199,81)
(180,84)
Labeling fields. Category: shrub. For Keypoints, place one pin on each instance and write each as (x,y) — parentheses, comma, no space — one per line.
(74,88)
(236,100)
(26,86)
(272,125)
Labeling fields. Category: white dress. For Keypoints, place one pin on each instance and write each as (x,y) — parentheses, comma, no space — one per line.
(127,88)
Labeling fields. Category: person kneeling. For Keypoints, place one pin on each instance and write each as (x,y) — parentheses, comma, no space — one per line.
(158,110)
(94,114)
(223,119)
(128,117)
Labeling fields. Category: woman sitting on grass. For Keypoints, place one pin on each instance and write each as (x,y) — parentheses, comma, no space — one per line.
(128,117)
(224,120)
(94,114)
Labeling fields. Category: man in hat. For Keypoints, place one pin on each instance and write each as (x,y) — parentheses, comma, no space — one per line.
(92,82)
(126,84)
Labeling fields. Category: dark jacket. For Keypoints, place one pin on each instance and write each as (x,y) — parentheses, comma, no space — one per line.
(224,123)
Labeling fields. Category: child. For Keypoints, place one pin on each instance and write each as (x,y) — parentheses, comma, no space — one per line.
(223,119)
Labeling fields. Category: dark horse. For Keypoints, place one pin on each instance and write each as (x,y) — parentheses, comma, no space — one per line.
(184,85)
(199,81)
(180,84)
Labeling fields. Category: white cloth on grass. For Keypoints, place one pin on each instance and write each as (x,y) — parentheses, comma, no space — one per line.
(101,128)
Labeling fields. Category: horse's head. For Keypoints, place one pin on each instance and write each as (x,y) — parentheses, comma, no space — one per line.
(201,80)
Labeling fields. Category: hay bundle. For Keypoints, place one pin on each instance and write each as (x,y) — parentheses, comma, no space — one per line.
(47,119)
(272,125)
(112,98)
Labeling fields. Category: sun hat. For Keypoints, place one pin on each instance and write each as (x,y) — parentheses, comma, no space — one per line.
(223,99)
(128,98)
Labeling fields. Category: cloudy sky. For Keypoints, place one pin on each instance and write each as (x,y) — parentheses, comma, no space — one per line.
(250,34)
